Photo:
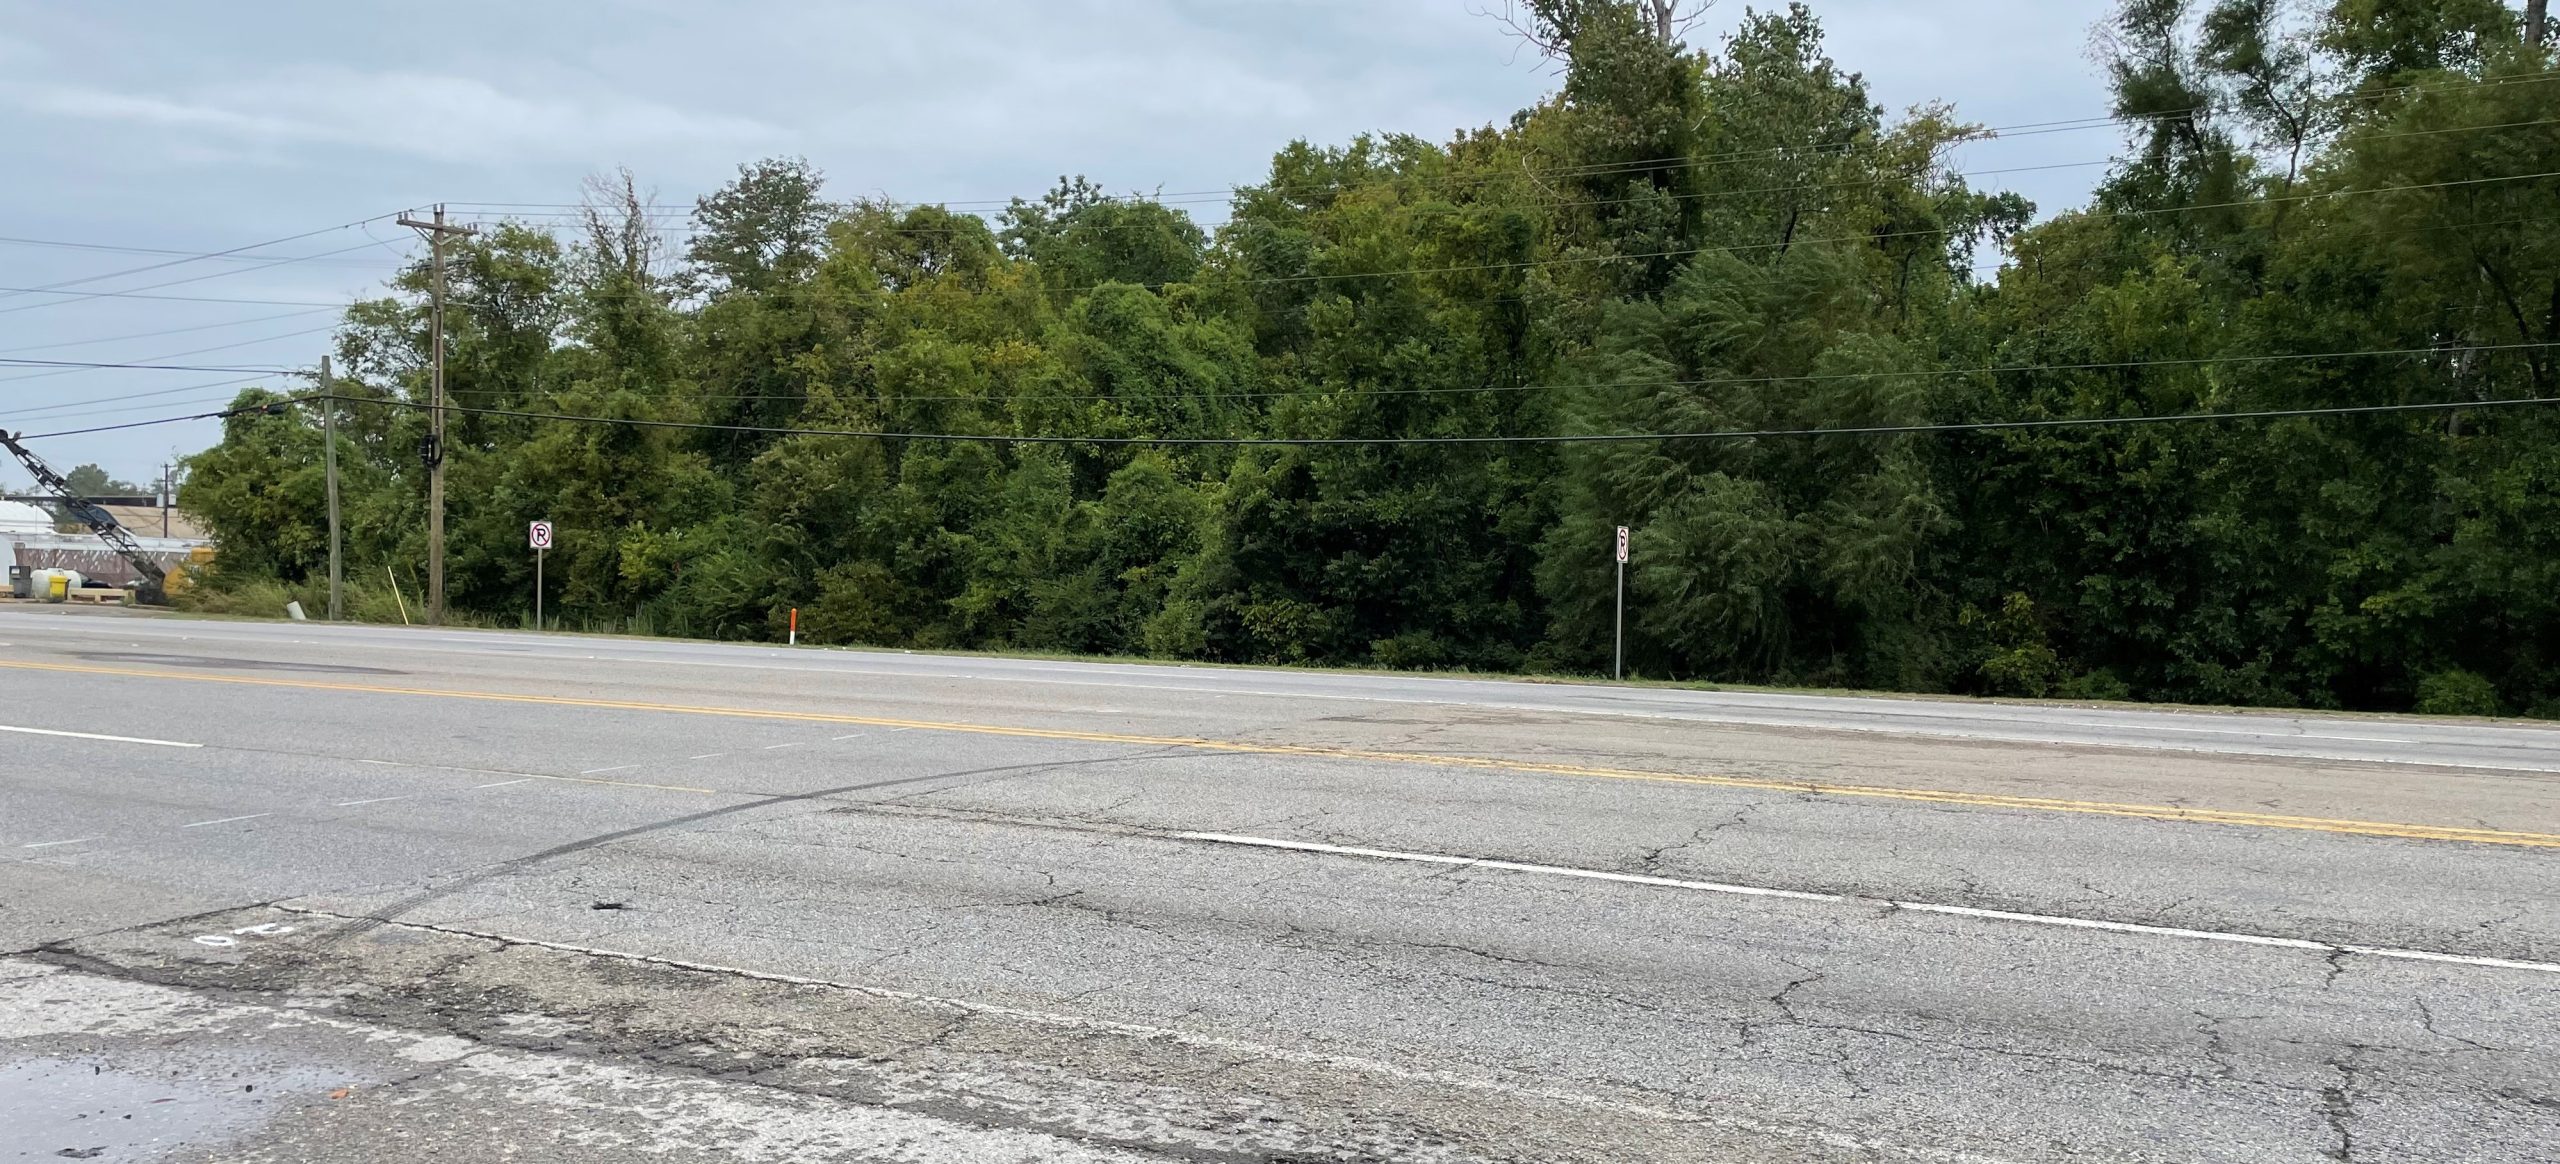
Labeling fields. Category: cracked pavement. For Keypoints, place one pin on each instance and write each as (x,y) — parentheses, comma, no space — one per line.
(358,920)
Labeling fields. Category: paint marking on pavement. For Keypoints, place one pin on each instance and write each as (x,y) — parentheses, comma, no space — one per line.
(225,820)
(375,800)
(793,744)
(57,844)
(1514,866)
(2158,812)
(854,736)
(503,784)
(2040,919)
(707,756)
(95,736)
(615,768)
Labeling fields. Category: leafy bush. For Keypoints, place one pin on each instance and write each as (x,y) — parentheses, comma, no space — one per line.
(2457,692)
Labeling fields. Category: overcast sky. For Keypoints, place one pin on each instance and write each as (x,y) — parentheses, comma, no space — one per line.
(195,127)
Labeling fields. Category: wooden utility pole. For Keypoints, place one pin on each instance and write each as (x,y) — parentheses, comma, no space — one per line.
(329,435)
(433,451)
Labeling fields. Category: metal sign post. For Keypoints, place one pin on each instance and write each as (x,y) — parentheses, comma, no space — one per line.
(539,534)
(1618,668)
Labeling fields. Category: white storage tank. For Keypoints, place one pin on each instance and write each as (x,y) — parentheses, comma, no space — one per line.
(43,583)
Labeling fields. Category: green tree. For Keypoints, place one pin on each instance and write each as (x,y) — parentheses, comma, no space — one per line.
(92,481)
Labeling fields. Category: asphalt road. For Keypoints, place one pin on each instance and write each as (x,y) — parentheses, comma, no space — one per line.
(309,893)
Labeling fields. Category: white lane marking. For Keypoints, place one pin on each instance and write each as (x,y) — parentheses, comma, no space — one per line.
(94,736)
(616,768)
(54,844)
(793,744)
(375,800)
(2082,923)
(503,783)
(2041,919)
(854,736)
(707,756)
(225,820)
(1514,866)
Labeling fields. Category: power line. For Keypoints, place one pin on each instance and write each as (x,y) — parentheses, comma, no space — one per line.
(143,367)
(1214,281)
(70,408)
(191,258)
(163,331)
(64,412)
(560,219)
(222,414)
(1994,369)
(226,256)
(50,288)
(148,360)
(1561,438)
(1872,180)
(2099,121)
(174,298)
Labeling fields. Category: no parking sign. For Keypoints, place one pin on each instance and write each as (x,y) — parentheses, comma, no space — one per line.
(538,535)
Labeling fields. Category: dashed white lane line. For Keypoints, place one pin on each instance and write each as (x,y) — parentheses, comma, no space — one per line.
(854,736)
(225,820)
(502,784)
(615,768)
(375,800)
(2040,919)
(95,736)
(793,744)
(707,756)
(55,844)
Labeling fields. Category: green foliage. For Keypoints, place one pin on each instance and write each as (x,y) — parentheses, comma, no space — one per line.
(92,481)
(2457,692)
(1731,240)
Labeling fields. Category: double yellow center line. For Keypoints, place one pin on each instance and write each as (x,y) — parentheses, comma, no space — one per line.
(2163,812)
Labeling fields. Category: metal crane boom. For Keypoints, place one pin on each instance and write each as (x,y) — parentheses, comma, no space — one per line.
(99,521)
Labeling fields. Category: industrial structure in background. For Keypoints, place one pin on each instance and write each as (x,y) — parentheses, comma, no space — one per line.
(123,561)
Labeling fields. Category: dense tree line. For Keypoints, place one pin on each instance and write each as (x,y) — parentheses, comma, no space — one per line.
(2346,206)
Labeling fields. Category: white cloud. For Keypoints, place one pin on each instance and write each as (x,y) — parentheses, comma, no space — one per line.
(440,117)
(152,111)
